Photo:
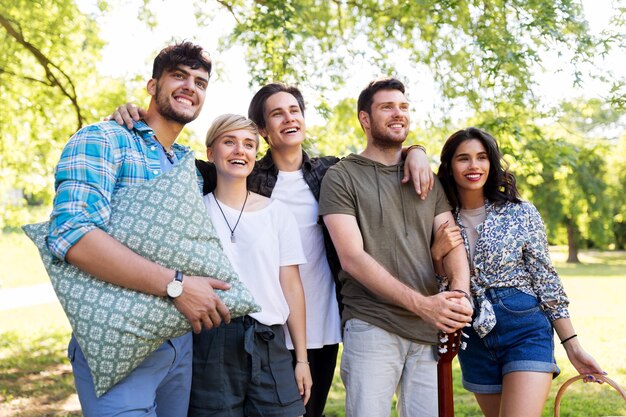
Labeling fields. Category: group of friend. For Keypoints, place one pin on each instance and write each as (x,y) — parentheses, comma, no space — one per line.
(368,274)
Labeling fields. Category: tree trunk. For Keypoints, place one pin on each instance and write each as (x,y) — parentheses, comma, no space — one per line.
(572,243)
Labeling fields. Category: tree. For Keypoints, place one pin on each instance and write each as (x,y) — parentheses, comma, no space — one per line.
(340,135)
(616,165)
(561,166)
(575,192)
(482,51)
(49,88)
(588,125)
(479,53)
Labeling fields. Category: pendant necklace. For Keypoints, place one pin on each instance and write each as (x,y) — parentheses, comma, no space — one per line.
(232,229)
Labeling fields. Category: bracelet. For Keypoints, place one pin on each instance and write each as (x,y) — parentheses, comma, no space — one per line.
(415,146)
(466,295)
(569,338)
(304,362)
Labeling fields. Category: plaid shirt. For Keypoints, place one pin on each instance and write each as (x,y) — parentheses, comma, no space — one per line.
(98,160)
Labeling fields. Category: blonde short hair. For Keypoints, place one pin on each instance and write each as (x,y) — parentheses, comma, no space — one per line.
(228,123)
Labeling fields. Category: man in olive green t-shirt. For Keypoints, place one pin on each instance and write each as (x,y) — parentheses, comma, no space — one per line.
(382,232)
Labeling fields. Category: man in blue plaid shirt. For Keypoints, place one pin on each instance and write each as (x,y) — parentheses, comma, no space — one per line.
(98,160)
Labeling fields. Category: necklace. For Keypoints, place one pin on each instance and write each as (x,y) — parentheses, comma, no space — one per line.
(232,229)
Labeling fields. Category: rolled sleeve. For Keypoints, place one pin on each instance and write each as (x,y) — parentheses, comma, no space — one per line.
(546,282)
(84,181)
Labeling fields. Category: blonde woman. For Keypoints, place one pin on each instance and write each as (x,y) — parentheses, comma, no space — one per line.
(244,368)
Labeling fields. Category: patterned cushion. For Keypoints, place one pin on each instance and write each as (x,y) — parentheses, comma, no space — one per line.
(164,220)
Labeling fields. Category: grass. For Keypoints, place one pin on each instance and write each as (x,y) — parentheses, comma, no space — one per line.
(595,289)
(35,377)
(20,260)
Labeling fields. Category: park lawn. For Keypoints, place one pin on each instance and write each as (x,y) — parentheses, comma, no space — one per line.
(35,377)
(595,289)
(21,263)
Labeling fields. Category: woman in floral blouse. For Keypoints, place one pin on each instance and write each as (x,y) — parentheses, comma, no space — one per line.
(518,296)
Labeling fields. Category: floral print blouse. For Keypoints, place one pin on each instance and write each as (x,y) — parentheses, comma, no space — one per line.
(512,251)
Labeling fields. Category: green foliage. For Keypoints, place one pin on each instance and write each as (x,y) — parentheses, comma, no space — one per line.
(560,161)
(341,134)
(579,152)
(616,163)
(49,88)
(480,51)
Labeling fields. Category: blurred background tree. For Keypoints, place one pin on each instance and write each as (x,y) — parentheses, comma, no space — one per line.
(49,88)
(478,60)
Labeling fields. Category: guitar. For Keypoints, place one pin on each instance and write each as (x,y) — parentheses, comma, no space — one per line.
(449,345)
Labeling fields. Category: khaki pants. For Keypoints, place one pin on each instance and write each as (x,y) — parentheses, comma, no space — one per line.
(376,364)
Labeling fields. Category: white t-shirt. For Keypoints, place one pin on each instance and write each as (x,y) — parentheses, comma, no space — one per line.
(323,324)
(266,239)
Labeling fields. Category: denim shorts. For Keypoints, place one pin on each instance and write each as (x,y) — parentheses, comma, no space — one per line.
(522,340)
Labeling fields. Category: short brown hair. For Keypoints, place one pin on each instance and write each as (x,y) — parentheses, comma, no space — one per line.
(185,53)
(367,95)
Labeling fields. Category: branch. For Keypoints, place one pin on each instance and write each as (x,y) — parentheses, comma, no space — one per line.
(230,8)
(339,16)
(48,67)
(26,78)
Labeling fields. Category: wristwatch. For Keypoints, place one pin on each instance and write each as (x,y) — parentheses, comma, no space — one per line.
(175,287)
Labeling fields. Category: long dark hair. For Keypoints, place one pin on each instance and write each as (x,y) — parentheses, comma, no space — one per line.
(501,184)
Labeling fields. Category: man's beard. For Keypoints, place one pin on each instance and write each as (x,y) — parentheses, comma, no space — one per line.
(384,139)
(167,111)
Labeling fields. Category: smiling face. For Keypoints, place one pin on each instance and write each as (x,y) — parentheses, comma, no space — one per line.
(284,121)
(470,167)
(179,93)
(234,153)
(387,124)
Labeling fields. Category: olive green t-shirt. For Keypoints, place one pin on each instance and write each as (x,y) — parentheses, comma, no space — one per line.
(396,226)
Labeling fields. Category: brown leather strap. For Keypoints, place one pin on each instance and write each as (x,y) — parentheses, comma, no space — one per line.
(559,395)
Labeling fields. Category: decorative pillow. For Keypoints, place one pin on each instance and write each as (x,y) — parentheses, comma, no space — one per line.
(164,220)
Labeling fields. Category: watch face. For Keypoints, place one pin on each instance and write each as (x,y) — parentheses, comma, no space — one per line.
(174,289)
